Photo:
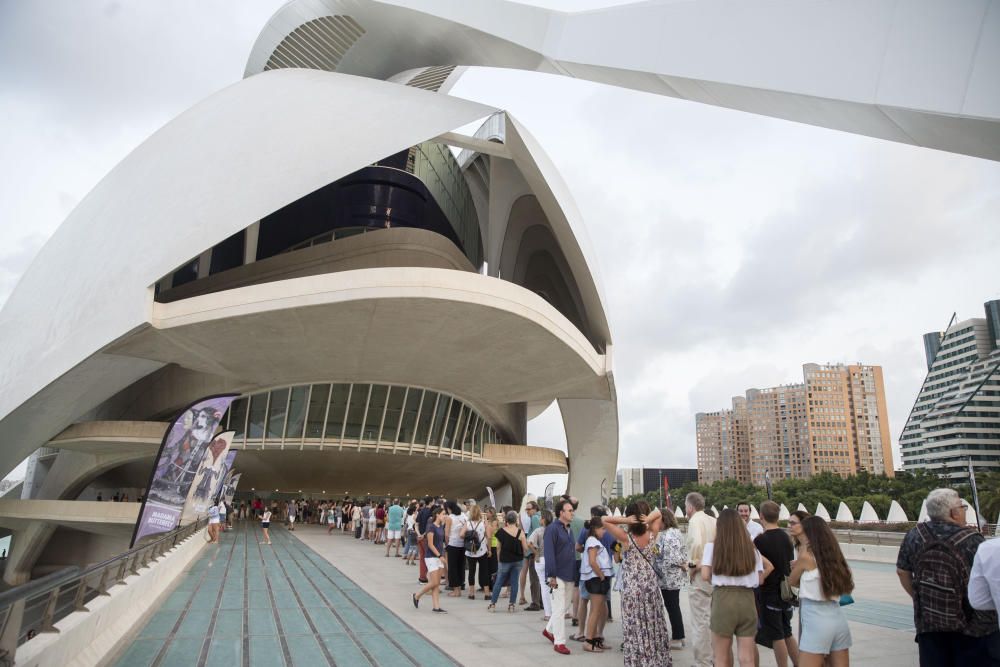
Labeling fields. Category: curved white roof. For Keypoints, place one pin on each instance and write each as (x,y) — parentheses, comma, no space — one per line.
(923,73)
(237,156)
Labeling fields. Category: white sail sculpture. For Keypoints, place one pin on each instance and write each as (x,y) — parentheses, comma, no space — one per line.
(868,513)
(715,512)
(754,514)
(618,512)
(783,512)
(801,508)
(822,512)
(844,513)
(970,513)
(896,513)
(923,512)
(678,513)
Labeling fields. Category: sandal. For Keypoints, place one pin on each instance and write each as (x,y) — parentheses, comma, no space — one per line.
(511,608)
(591,646)
(492,607)
(578,638)
(472,596)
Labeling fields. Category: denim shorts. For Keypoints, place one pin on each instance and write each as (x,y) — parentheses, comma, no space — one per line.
(824,627)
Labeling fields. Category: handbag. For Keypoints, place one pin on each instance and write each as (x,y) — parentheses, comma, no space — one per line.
(788,593)
(846,599)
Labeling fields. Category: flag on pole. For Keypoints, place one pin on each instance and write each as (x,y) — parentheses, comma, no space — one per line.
(666,495)
(549,500)
(493,500)
(975,493)
(767,483)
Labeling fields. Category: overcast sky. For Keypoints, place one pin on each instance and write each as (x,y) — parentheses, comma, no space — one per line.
(732,248)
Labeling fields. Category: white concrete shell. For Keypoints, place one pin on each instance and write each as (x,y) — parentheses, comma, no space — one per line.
(678,513)
(783,512)
(925,72)
(844,513)
(821,511)
(896,513)
(868,513)
(801,508)
(923,516)
(193,183)
(754,514)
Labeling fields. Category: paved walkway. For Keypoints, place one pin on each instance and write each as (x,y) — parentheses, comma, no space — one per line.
(318,599)
(246,603)
(881,620)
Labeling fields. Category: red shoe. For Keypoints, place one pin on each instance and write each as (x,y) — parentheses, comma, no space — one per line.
(561,648)
(548,635)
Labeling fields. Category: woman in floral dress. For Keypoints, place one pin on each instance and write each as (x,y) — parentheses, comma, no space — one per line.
(647,639)
(672,558)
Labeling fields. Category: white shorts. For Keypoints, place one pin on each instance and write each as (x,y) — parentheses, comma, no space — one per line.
(433,564)
(291,519)
(393,534)
(213,520)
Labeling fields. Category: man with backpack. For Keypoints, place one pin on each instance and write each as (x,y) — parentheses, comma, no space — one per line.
(934,564)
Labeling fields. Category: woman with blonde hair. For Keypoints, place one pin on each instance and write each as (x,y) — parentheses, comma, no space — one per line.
(477,559)
(735,568)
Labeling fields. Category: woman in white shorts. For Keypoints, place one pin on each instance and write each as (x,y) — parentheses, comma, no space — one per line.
(435,560)
(265,523)
(823,576)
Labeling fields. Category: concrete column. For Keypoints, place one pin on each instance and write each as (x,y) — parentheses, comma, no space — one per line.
(592,445)
(26,545)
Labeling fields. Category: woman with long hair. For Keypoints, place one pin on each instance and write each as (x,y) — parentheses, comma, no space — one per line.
(595,575)
(435,560)
(795,520)
(454,531)
(513,546)
(822,575)
(644,628)
(672,557)
(735,568)
(477,559)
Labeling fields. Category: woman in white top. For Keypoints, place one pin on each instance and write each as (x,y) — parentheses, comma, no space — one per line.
(454,529)
(536,544)
(735,568)
(476,560)
(822,575)
(595,575)
(265,523)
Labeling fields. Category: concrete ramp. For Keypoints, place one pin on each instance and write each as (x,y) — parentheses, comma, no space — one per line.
(100,518)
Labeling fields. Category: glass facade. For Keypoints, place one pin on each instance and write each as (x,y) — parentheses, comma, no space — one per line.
(390,417)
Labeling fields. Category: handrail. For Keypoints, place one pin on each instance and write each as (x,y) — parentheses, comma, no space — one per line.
(38,605)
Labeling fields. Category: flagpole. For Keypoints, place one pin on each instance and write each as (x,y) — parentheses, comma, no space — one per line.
(975,495)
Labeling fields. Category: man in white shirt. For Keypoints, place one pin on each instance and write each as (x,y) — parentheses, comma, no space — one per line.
(984,582)
(753,527)
(701,531)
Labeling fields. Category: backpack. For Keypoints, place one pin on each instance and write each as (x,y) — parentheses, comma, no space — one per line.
(940,579)
(472,543)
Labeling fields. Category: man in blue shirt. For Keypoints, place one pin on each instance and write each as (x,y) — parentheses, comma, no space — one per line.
(560,559)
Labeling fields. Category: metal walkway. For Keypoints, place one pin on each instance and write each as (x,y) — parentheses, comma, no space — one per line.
(247,603)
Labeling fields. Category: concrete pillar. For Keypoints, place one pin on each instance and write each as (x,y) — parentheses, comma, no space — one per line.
(26,546)
(592,447)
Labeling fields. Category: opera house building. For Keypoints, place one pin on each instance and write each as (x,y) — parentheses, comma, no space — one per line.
(394,280)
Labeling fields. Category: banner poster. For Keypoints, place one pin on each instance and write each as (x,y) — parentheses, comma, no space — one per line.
(229,492)
(493,499)
(208,478)
(181,453)
(549,500)
(227,476)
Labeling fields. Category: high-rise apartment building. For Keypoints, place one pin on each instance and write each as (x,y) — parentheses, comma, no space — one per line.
(723,443)
(835,420)
(956,417)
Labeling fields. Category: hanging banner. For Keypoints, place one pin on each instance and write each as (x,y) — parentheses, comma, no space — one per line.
(229,491)
(227,474)
(549,501)
(667,500)
(493,499)
(180,456)
(208,478)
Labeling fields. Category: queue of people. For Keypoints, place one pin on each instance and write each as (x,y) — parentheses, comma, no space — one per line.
(744,579)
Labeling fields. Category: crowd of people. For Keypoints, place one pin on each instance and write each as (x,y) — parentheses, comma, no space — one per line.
(744,578)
